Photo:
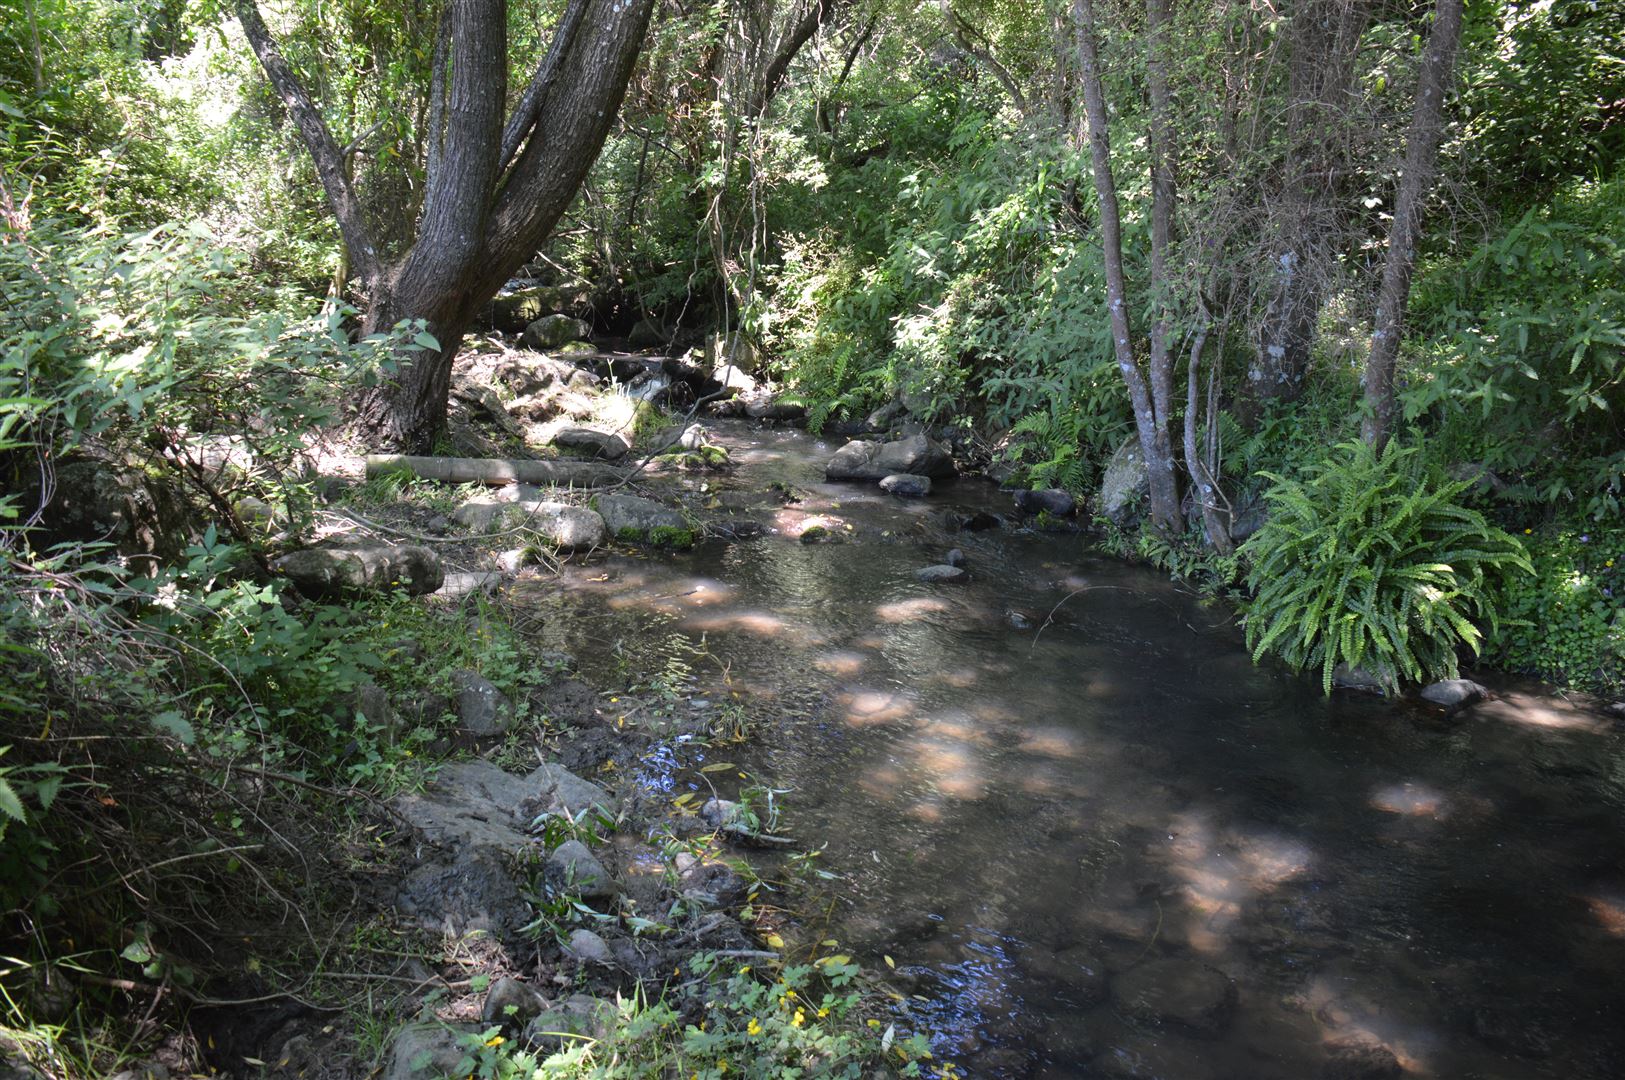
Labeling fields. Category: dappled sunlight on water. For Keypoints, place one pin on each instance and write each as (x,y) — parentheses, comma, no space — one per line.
(1107,782)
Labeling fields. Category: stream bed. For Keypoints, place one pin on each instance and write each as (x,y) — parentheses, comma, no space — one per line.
(1097,839)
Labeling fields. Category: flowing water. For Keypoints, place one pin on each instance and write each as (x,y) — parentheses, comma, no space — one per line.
(1062,799)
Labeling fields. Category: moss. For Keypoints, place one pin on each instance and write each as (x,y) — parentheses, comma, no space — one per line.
(671,536)
(629,533)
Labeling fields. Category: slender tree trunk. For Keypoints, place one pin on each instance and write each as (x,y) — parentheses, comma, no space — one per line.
(1205,485)
(1421,154)
(1155,444)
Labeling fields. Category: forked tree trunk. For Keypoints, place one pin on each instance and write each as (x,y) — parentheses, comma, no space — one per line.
(1150,398)
(493,190)
(1421,154)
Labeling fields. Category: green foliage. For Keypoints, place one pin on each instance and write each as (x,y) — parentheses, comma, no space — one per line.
(1527,354)
(1371,562)
(807,1022)
(1566,622)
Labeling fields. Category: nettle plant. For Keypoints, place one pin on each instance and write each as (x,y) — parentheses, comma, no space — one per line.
(1370,561)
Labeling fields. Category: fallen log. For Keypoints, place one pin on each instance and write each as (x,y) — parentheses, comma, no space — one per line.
(496,472)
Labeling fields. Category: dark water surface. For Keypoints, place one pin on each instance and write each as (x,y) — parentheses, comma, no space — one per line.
(1065,828)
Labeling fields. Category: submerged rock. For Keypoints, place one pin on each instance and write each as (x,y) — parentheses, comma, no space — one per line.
(1350,678)
(906,485)
(1454,693)
(942,574)
(864,459)
(1193,997)
(326,573)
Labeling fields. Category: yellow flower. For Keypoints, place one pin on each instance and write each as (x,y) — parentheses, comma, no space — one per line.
(1527,532)
(754,1027)
(823,1012)
(800,1018)
(495,1040)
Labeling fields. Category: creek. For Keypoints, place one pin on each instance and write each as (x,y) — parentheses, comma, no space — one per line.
(1095,838)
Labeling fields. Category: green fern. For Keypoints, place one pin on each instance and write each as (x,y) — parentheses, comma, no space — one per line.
(1371,562)
(1048,441)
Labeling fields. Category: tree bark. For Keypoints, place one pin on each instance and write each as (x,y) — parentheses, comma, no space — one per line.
(1421,155)
(1155,444)
(1324,42)
(481,218)
(965,35)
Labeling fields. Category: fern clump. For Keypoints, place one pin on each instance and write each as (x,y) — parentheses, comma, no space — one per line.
(1371,562)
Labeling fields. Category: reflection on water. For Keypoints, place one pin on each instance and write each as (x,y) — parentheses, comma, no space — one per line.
(1078,835)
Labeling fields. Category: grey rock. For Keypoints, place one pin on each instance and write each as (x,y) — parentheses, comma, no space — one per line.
(474,891)
(734,380)
(485,402)
(517,308)
(941,575)
(561,524)
(710,883)
(906,484)
(1196,999)
(1051,501)
(328,573)
(553,332)
(589,948)
(653,389)
(1125,484)
(576,1015)
(107,501)
(511,1004)
(512,561)
(599,444)
(692,437)
(523,374)
(464,584)
(1616,710)
(426,1049)
(760,404)
(955,557)
(482,709)
(883,418)
(864,459)
(582,379)
(1359,679)
(1454,693)
(573,868)
(646,334)
(555,788)
(732,350)
(629,517)
(370,703)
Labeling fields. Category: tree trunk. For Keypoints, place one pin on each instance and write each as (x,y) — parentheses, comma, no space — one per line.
(1155,444)
(1324,42)
(482,217)
(1421,154)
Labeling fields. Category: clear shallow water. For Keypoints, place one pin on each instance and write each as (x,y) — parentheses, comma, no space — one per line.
(1030,819)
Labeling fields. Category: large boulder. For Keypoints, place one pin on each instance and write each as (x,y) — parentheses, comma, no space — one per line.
(516,308)
(328,573)
(865,459)
(554,332)
(591,441)
(102,500)
(646,334)
(1125,484)
(629,517)
(562,525)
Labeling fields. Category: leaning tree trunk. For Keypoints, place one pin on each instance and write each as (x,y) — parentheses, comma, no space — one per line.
(493,191)
(1149,421)
(1421,153)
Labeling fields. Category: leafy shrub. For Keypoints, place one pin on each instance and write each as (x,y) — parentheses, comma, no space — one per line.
(1566,623)
(1371,562)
